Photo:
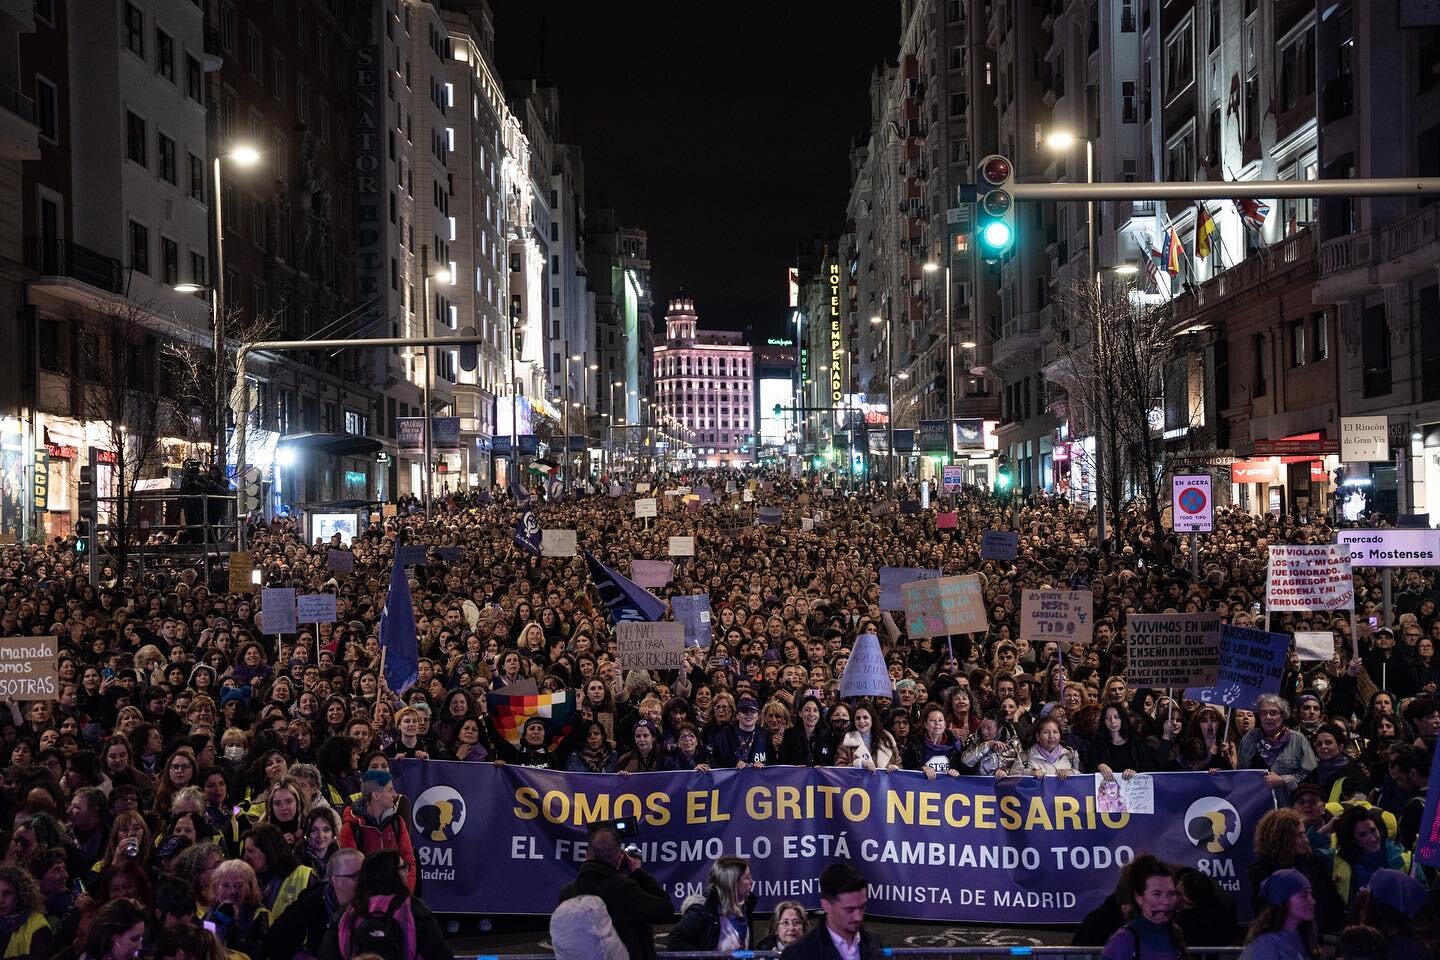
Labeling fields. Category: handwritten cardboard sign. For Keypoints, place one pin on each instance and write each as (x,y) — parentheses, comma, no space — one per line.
(682,546)
(277,610)
(935,608)
(315,608)
(1172,649)
(651,646)
(1000,545)
(1057,615)
(1303,576)
(242,572)
(557,543)
(29,668)
(646,507)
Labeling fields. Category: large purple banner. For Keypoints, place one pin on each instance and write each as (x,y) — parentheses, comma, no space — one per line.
(505,839)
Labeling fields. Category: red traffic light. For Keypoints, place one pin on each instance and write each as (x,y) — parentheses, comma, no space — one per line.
(995,171)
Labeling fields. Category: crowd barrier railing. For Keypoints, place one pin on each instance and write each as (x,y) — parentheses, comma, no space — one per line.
(917,953)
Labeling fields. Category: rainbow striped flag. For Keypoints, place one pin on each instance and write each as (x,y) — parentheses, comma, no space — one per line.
(509,713)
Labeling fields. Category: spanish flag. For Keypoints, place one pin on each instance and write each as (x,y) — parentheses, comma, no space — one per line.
(1204,229)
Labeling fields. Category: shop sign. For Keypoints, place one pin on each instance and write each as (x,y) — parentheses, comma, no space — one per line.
(1295,447)
(42,481)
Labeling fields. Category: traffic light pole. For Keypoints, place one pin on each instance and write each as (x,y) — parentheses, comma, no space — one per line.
(240,393)
(1220,189)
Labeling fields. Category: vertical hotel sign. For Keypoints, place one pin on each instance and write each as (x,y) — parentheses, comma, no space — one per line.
(837,343)
(369,169)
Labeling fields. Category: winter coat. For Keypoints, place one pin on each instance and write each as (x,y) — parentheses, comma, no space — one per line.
(360,831)
(634,900)
(699,926)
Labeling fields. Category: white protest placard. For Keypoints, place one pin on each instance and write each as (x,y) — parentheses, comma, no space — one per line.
(1364,439)
(651,646)
(1409,547)
(277,610)
(315,608)
(747,495)
(29,668)
(865,672)
(1314,646)
(1118,795)
(642,488)
(1172,649)
(682,547)
(807,525)
(1057,615)
(935,608)
(557,543)
(646,507)
(1191,506)
(1303,576)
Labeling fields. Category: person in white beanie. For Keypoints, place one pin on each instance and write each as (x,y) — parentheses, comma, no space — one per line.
(580,929)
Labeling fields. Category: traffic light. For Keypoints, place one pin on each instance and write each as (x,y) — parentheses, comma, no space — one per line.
(994,208)
(779,409)
(86,501)
(1004,475)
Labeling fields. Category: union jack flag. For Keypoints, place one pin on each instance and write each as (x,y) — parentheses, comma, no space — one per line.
(1253,213)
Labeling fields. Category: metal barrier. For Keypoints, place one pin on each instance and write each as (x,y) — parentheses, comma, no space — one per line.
(920,953)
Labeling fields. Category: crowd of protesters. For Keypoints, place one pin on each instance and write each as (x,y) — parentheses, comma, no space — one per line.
(193,768)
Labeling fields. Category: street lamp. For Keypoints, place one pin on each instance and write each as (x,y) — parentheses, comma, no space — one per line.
(932,267)
(241,155)
(1061,140)
(616,385)
(439,275)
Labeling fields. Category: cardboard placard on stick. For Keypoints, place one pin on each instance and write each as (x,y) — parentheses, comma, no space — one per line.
(1172,649)
(557,543)
(646,507)
(1067,615)
(277,610)
(935,608)
(29,668)
(315,608)
(340,561)
(650,646)
(682,546)
(242,572)
(652,574)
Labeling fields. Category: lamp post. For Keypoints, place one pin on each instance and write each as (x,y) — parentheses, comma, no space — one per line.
(1065,140)
(241,156)
(889,399)
(615,385)
(933,267)
(590,368)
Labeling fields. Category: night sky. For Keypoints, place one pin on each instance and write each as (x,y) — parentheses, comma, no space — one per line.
(721,129)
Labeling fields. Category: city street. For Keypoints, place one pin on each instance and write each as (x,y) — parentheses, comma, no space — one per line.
(431,526)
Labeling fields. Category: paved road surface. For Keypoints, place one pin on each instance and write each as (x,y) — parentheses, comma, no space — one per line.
(511,936)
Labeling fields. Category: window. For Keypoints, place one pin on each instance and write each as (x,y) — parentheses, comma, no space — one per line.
(197,178)
(277,77)
(197,268)
(1179,59)
(1427,304)
(1319,337)
(1257,359)
(1297,344)
(957,104)
(164,55)
(356,423)
(139,248)
(302,101)
(45,113)
(227,27)
(1212,35)
(134,30)
(135,138)
(954,11)
(45,10)
(166,164)
(169,261)
(1375,352)
(253,56)
(1251,62)
(1180,157)
(957,56)
(194,79)
(1297,69)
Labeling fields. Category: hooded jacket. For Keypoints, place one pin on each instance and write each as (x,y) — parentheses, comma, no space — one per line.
(360,831)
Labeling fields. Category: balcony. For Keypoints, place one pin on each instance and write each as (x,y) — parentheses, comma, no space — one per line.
(1291,254)
(1349,252)
(1021,334)
(1408,235)
(62,258)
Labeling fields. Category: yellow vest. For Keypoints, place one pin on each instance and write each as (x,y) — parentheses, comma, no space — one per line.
(19,945)
(290,889)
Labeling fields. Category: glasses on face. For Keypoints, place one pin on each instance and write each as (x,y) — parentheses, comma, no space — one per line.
(179,767)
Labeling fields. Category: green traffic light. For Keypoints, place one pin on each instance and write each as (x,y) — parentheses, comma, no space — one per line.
(1002,481)
(996,235)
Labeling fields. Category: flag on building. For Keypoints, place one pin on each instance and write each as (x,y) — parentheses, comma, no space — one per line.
(400,652)
(1204,229)
(509,713)
(1152,261)
(1253,213)
(1173,252)
(527,533)
(626,600)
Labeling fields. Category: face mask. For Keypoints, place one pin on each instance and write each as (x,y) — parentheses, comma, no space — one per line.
(233,752)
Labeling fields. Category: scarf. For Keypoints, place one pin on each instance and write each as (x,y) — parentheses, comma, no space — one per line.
(1049,756)
(1270,749)
(1326,769)
(594,760)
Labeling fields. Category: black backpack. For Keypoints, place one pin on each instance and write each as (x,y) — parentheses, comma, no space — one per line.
(385,928)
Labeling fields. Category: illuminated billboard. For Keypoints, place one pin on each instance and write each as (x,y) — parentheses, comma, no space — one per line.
(775,390)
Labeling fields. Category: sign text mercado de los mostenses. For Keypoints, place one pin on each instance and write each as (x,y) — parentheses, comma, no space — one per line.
(954,849)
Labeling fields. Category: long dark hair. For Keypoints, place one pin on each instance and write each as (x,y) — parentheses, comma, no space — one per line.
(111,920)
(1272,919)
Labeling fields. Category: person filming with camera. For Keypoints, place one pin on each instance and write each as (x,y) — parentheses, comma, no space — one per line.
(633,898)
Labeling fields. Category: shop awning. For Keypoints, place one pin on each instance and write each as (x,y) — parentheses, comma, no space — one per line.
(339,444)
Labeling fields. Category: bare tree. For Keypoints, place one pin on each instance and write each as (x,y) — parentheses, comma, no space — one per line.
(1117,383)
(118,346)
(190,369)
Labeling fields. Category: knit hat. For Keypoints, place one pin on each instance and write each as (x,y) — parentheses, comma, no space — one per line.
(1281,885)
(1398,890)
(747,703)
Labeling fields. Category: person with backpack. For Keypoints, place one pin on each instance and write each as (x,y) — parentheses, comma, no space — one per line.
(384,919)
(1148,885)
(634,899)
(374,823)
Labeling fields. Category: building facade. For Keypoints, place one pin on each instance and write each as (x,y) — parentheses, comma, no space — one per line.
(705,380)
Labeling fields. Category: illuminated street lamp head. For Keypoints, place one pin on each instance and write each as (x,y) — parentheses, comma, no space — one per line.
(441,276)
(190,287)
(618,383)
(576,358)
(244,155)
(967,344)
(877,319)
(1127,269)
(593,366)
(902,375)
(1060,140)
(931,266)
